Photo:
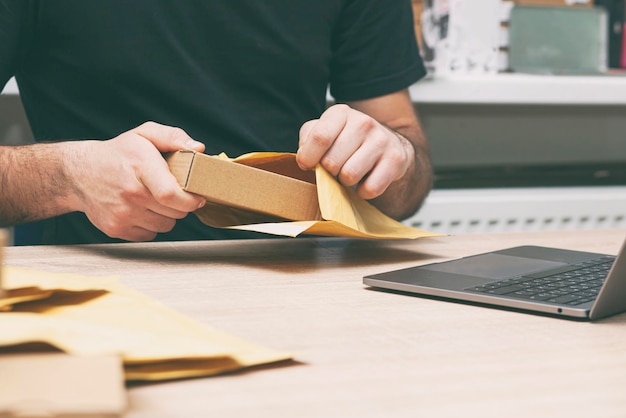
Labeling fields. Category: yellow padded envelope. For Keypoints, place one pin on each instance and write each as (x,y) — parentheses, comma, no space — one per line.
(99,316)
(338,211)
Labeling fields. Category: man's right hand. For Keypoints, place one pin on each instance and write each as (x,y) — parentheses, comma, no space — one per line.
(124,185)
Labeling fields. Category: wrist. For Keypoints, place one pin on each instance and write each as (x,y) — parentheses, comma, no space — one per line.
(71,170)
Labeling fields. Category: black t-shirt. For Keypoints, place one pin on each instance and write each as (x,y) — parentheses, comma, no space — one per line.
(237,75)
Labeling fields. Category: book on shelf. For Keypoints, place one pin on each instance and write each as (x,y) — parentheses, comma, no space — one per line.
(615,30)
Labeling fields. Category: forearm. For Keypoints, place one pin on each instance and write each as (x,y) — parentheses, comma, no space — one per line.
(404,197)
(34,182)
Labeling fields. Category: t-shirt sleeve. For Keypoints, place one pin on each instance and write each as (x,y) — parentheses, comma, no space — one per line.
(12,17)
(375,51)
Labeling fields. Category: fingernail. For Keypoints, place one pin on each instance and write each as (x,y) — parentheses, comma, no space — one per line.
(202,203)
(191,144)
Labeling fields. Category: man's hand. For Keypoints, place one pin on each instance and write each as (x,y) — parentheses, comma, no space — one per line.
(124,185)
(356,149)
(376,146)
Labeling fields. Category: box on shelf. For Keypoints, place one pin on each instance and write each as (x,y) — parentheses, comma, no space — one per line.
(460,38)
(554,3)
(615,10)
(572,40)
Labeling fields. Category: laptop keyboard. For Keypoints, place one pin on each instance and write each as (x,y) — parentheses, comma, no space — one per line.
(570,285)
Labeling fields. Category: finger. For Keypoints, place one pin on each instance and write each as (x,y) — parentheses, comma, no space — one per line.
(305,129)
(164,188)
(386,167)
(377,180)
(138,234)
(320,136)
(168,212)
(353,137)
(154,222)
(168,138)
(129,230)
(359,165)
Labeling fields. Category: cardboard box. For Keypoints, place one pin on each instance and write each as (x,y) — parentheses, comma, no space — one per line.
(62,386)
(267,192)
(252,192)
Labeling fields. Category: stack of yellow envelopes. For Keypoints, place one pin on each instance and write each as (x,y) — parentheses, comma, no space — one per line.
(98,316)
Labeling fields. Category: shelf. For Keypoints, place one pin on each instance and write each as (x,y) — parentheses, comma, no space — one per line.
(514,89)
(522,89)
(521,209)
(532,174)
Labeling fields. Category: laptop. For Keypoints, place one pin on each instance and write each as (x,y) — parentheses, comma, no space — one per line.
(550,281)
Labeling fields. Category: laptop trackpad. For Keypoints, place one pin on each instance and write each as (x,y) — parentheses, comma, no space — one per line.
(493,266)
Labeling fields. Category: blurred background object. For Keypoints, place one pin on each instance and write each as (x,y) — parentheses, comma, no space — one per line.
(572,40)
(460,36)
(469,37)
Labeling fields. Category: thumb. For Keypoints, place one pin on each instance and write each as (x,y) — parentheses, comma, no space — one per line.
(168,138)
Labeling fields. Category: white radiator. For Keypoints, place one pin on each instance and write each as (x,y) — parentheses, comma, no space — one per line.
(522,209)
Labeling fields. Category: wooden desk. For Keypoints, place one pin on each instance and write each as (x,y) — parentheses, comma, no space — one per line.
(363,353)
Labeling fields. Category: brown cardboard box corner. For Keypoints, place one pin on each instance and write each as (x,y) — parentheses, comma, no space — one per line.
(239,192)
